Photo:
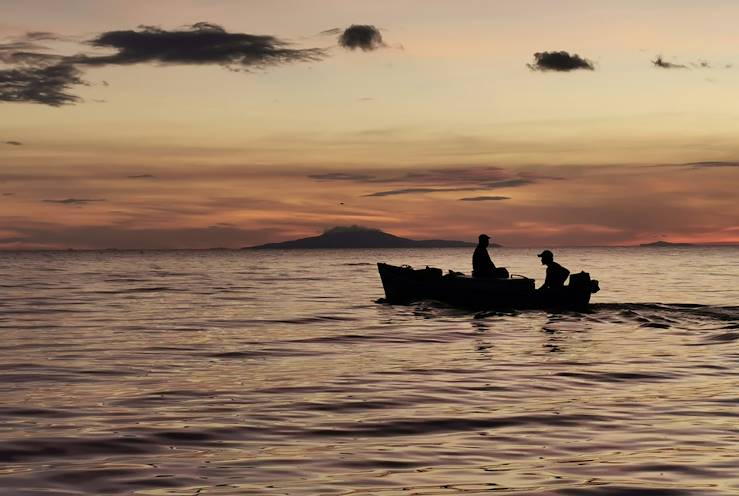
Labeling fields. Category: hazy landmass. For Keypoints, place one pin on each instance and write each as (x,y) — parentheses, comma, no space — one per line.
(664,244)
(362,237)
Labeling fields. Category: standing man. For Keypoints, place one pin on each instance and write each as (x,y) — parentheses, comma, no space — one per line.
(482,265)
(556,274)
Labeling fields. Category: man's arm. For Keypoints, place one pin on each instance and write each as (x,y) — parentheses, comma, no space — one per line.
(547,279)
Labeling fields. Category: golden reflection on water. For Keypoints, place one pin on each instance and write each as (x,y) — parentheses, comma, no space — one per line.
(209,373)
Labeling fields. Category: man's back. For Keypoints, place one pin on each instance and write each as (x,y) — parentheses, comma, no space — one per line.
(482,265)
(556,275)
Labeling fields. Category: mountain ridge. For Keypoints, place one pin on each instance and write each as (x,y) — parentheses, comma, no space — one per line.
(347,237)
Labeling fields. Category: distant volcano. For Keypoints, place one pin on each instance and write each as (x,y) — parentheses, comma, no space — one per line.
(361,237)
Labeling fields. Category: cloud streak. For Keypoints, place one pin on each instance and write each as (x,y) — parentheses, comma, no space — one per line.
(712,165)
(435,180)
(341,176)
(408,191)
(485,198)
(508,183)
(559,62)
(431,176)
(13,143)
(75,201)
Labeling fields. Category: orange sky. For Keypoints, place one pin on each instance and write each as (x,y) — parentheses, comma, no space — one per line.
(442,131)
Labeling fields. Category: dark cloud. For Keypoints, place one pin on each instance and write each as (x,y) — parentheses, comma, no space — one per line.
(364,36)
(199,44)
(663,64)
(13,143)
(8,194)
(46,85)
(75,201)
(485,198)
(36,76)
(142,176)
(560,62)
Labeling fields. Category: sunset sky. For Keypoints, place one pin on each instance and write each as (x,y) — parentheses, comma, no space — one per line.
(225,123)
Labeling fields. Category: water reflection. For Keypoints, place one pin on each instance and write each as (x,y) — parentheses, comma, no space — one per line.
(212,374)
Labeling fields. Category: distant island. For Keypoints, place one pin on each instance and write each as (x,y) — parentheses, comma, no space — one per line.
(361,237)
(665,244)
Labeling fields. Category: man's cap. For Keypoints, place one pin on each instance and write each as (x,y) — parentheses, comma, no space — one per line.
(546,254)
(483,236)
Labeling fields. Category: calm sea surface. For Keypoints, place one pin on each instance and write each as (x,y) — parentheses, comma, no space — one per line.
(227,372)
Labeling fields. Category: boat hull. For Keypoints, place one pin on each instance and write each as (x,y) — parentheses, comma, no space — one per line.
(404,285)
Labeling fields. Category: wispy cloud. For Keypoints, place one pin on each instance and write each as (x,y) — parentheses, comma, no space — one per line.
(13,143)
(440,180)
(711,165)
(664,64)
(47,85)
(508,183)
(660,63)
(331,32)
(559,62)
(142,176)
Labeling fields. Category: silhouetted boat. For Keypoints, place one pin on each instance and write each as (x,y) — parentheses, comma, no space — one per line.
(405,285)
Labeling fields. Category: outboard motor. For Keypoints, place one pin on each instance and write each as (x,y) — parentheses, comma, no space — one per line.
(582,282)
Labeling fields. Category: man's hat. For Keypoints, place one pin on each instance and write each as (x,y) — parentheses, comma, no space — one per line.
(483,236)
(546,254)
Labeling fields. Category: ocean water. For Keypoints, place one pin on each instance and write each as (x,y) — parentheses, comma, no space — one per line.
(259,373)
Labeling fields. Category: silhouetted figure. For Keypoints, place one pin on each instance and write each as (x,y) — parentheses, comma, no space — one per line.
(556,274)
(482,265)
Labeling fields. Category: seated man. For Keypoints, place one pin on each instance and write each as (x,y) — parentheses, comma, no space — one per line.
(556,274)
(482,265)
